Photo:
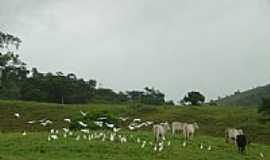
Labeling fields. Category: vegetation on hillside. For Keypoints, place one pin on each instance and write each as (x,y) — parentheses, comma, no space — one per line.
(265,108)
(251,97)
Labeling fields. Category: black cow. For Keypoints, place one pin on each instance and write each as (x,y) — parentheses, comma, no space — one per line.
(241,141)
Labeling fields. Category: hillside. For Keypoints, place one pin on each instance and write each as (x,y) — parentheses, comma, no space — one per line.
(212,119)
(252,97)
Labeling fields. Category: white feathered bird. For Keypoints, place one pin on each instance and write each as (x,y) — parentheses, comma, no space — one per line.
(67,120)
(83,113)
(17,115)
(82,124)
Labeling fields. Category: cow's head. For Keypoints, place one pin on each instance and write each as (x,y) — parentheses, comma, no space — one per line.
(195,124)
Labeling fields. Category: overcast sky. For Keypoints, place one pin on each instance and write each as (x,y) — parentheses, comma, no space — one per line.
(213,46)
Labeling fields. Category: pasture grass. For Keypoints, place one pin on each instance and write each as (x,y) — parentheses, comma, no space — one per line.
(213,120)
(35,146)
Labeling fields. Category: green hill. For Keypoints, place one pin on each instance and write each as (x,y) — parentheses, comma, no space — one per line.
(212,119)
(252,97)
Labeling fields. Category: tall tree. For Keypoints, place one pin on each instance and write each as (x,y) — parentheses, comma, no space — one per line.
(12,70)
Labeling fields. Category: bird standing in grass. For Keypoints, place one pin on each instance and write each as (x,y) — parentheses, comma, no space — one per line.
(17,115)
(24,133)
(201,146)
(83,113)
(161,146)
(82,124)
(155,148)
(138,140)
(184,144)
(143,144)
(262,155)
(67,120)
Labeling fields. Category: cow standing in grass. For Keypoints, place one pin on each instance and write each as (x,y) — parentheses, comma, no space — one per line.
(189,130)
(231,134)
(178,126)
(160,131)
(241,142)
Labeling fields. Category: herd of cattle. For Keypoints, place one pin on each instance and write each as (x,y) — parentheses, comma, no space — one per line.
(233,135)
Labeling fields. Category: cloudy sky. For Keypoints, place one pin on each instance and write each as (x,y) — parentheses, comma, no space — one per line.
(213,46)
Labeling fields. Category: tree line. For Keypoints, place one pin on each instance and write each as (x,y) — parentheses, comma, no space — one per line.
(17,82)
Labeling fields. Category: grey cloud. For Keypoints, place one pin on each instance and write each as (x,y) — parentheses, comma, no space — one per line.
(212,46)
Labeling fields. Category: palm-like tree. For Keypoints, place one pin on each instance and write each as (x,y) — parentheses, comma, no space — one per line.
(7,39)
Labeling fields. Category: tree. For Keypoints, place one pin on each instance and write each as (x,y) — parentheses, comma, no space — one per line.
(8,40)
(194,98)
(13,70)
(150,96)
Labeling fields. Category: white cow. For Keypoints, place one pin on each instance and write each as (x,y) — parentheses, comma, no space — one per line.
(178,126)
(160,131)
(232,133)
(189,130)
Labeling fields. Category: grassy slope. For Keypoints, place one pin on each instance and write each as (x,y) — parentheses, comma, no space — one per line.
(251,97)
(212,120)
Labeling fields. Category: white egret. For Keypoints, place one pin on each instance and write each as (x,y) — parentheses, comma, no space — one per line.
(109,125)
(184,144)
(102,118)
(86,131)
(131,128)
(261,155)
(54,137)
(116,130)
(67,120)
(123,119)
(155,148)
(143,144)
(31,122)
(52,131)
(201,146)
(82,124)
(17,115)
(24,133)
(83,113)
(138,140)
(137,120)
(66,130)
(98,123)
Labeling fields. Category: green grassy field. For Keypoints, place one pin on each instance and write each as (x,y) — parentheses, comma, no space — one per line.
(35,146)
(212,120)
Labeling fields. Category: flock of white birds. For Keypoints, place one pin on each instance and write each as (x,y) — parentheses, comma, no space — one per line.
(112,135)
